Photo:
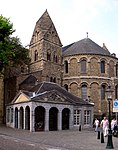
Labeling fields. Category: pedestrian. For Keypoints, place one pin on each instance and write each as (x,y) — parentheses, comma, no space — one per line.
(113,123)
(105,125)
(96,123)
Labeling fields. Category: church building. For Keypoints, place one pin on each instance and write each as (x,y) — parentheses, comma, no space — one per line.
(60,81)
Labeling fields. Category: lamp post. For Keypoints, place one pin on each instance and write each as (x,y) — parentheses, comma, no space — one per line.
(109,92)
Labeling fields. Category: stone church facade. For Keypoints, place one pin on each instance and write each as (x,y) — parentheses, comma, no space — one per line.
(83,68)
(88,70)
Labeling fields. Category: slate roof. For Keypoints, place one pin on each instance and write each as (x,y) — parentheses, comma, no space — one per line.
(49,86)
(84,46)
(29,80)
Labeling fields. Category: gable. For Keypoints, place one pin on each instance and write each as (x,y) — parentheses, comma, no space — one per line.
(56,98)
(45,28)
(53,97)
(21,98)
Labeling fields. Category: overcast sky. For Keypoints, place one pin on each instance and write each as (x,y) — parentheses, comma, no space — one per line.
(72,19)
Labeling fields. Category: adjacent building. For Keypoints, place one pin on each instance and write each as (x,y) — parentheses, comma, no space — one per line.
(48,107)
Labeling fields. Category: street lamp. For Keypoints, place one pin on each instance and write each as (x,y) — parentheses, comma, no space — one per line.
(109,92)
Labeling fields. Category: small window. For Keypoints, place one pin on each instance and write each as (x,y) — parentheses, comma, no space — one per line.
(66,87)
(103,92)
(87,114)
(54,80)
(83,66)
(51,79)
(56,59)
(48,56)
(66,66)
(77,118)
(35,55)
(102,66)
(84,92)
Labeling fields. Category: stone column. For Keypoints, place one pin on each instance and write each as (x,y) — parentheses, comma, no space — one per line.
(82,116)
(18,118)
(24,127)
(71,119)
(46,128)
(32,120)
(14,119)
(60,120)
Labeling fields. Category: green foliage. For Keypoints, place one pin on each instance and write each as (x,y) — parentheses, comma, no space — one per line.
(12,53)
(6,28)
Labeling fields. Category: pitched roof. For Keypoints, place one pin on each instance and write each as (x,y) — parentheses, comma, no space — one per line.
(84,46)
(49,86)
(44,21)
(29,80)
(43,25)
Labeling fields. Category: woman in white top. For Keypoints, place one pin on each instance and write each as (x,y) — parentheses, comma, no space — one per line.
(96,123)
(113,123)
(105,126)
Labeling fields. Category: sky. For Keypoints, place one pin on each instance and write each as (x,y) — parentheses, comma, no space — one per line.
(72,19)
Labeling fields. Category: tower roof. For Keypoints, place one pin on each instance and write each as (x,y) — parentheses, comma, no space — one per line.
(84,46)
(44,21)
(44,26)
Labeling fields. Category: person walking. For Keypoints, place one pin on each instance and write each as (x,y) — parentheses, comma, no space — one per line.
(96,123)
(105,126)
(113,123)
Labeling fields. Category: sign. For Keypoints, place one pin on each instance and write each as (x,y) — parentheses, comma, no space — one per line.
(115,106)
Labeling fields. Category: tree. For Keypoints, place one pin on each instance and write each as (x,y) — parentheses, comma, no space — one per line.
(12,53)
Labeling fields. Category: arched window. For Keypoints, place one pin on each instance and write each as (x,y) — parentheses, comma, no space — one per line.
(83,66)
(54,80)
(116,70)
(84,92)
(116,91)
(48,56)
(66,66)
(54,58)
(102,66)
(35,55)
(103,87)
(66,87)
(51,79)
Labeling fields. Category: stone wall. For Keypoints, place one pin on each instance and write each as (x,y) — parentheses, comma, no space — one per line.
(93,78)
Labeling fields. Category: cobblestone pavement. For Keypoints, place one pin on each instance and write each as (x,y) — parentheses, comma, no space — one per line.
(60,140)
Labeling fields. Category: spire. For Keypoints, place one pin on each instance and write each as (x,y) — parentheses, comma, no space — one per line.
(45,21)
